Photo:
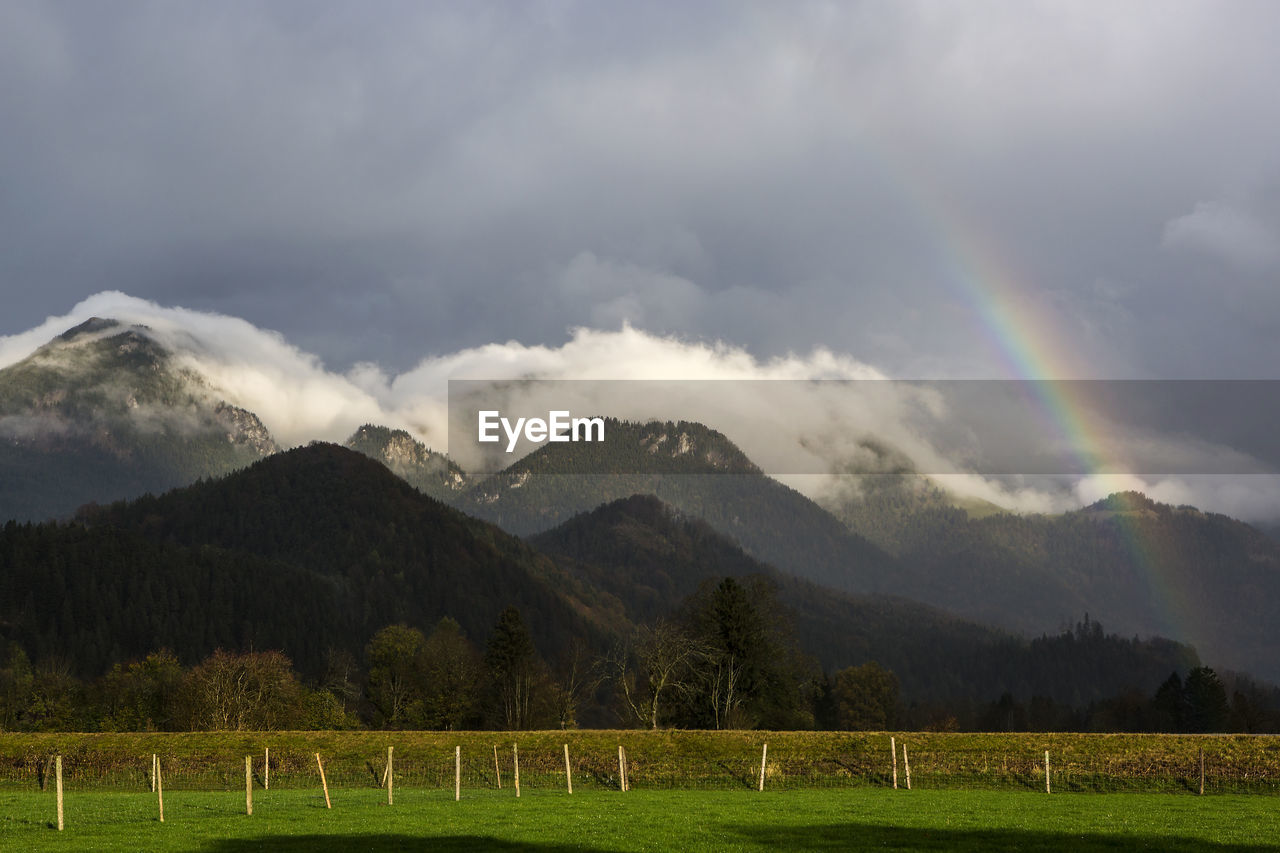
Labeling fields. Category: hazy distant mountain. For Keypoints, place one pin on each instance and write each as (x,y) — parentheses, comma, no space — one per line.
(1269,529)
(699,472)
(103,412)
(1135,565)
(429,472)
(650,557)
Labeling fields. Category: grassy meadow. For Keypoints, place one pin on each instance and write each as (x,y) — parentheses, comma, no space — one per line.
(689,791)
(851,819)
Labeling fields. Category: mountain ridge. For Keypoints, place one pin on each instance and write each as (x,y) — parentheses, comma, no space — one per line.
(652,557)
(711,479)
(380,550)
(103,412)
(1135,564)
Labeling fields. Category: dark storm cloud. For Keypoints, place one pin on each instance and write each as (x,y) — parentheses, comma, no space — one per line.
(380,181)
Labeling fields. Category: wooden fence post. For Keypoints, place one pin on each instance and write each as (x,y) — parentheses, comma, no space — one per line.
(515,755)
(764,757)
(323,783)
(906,763)
(390,782)
(893,749)
(622,774)
(248,785)
(1202,771)
(57,771)
(266,768)
(1046,772)
(568,771)
(457,772)
(497,771)
(154,762)
(160,789)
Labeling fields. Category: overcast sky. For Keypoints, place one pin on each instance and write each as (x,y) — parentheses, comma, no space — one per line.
(387,181)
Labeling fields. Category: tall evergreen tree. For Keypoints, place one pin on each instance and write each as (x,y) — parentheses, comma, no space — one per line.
(514,669)
(1170,705)
(749,669)
(1206,702)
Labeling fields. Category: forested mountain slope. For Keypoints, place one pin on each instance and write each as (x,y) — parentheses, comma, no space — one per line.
(307,549)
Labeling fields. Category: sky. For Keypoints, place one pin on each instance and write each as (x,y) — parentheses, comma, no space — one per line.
(911,189)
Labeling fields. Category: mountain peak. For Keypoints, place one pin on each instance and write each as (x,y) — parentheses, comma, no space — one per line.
(1129,501)
(99,350)
(89,327)
(635,448)
(103,411)
(318,481)
(430,472)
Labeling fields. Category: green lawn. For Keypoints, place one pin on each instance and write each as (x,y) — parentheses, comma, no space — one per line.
(862,818)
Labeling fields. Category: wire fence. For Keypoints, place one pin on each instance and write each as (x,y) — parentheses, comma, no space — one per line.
(1188,767)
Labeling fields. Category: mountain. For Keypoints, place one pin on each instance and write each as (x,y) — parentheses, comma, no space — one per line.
(89,597)
(429,472)
(1134,564)
(315,549)
(1139,568)
(650,557)
(1269,529)
(700,473)
(104,412)
(307,550)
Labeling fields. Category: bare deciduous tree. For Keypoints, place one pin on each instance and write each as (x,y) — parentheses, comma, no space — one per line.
(255,690)
(650,666)
(575,680)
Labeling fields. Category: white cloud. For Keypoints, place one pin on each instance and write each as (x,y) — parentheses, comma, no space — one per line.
(793,426)
(288,389)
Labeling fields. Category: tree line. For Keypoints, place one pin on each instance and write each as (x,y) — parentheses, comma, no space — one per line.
(726,659)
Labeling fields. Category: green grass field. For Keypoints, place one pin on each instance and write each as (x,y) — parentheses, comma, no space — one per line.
(642,820)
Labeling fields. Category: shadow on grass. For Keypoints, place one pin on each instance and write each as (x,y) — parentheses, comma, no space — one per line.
(857,836)
(827,837)
(385,842)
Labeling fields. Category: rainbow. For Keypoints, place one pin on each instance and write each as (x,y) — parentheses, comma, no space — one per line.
(983,276)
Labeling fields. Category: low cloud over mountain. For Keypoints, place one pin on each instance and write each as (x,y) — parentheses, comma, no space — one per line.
(800,430)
